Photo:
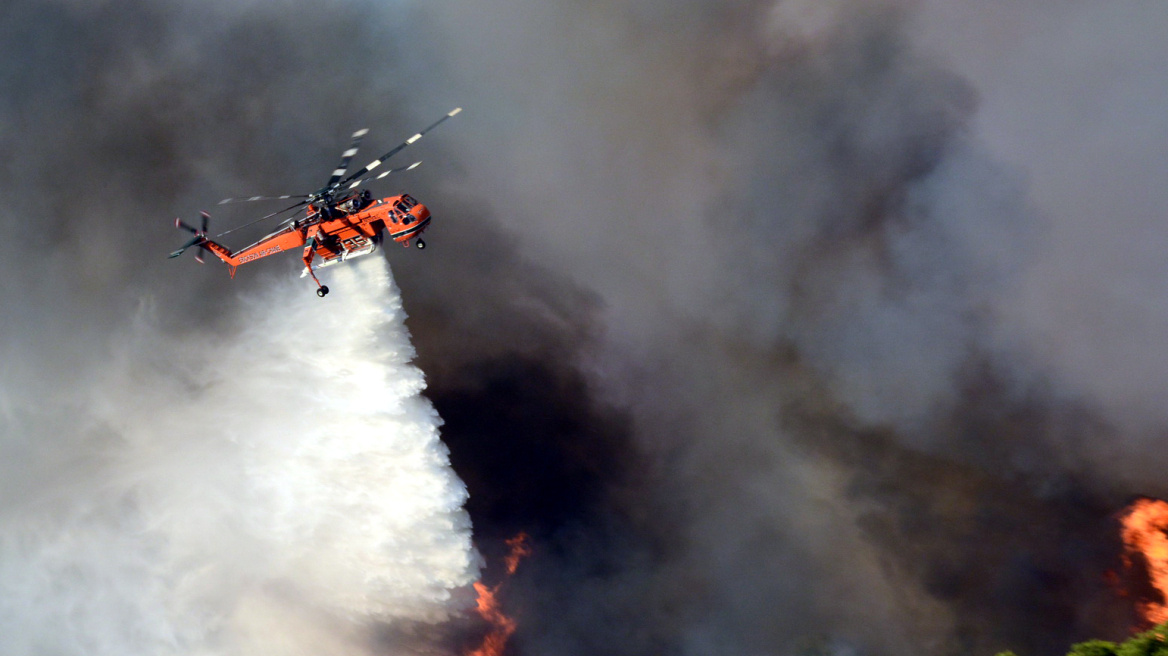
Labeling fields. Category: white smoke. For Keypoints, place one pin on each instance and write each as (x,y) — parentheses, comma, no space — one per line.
(283,491)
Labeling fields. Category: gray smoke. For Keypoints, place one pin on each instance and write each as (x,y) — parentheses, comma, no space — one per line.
(784,327)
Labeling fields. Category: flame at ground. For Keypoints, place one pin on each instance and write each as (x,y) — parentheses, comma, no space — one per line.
(1145,537)
(519,550)
(488,603)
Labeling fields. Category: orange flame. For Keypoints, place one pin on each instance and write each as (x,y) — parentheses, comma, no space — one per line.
(1145,535)
(519,550)
(488,604)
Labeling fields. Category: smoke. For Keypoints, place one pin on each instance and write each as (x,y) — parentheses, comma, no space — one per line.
(278,489)
(781,327)
(807,263)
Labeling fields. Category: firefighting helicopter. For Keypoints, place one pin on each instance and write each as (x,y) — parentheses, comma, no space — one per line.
(340,223)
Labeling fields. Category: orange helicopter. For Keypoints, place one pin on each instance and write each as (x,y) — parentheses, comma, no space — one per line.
(339,223)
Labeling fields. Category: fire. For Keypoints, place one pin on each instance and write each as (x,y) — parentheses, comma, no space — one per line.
(1145,538)
(501,626)
(519,550)
(488,603)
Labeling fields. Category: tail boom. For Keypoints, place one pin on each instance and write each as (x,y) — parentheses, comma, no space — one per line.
(283,241)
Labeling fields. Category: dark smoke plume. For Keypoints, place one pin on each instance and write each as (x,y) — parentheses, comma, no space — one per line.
(729,305)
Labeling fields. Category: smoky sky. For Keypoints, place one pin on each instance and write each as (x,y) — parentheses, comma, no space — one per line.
(782,327)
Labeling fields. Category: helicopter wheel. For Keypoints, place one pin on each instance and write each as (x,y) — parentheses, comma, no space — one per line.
(322,291)
(421,244)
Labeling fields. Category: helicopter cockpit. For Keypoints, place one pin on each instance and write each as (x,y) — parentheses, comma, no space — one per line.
(401,209)
(405,204)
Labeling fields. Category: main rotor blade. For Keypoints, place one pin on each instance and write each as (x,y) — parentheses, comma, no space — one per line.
(268,216)
(358,183)
(347,157)
(248,200)
(377,162)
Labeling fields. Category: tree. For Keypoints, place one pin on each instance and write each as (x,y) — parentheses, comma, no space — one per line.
(1094,648)
(1149,643)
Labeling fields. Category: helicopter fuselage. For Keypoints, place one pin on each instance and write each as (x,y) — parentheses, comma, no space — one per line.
(338,225)
(335,235)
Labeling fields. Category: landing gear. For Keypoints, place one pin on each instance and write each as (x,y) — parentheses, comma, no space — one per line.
(322,291)
(421,244)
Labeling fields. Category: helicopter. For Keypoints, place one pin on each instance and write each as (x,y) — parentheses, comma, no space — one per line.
(339,223)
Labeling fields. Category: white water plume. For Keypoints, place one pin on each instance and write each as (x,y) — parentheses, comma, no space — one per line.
(283,491)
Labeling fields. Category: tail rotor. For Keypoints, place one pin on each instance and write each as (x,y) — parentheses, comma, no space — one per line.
(199,239)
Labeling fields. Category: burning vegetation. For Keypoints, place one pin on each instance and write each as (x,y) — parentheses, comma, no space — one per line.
(1145,555)
(488,602)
